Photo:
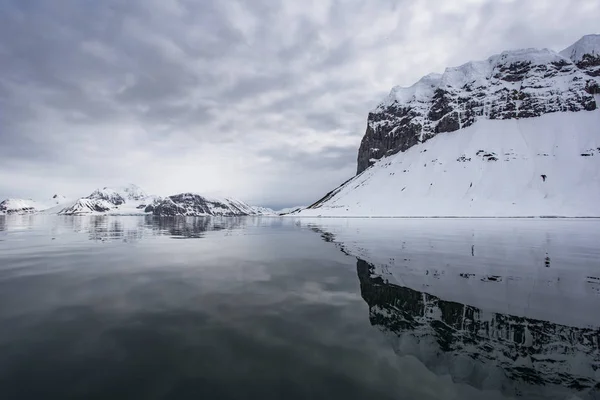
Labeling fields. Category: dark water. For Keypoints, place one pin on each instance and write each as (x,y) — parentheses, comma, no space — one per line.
(282,308)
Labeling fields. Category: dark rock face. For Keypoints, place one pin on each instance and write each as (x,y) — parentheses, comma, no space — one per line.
(512,85)
(590,64)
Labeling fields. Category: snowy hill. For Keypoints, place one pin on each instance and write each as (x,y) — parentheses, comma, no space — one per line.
(515,135)
(29,206)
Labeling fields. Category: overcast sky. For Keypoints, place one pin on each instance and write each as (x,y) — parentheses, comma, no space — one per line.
(264,100)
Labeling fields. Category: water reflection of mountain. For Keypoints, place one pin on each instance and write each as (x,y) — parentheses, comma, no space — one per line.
(445,308)
(136,228)
(126,228)
(486,350)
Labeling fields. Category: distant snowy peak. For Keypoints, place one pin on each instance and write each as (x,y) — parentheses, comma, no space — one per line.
(192,204)
(127,200)
(133,192)
(514,84)
(121,195)
(585,53)
(132,200)
(263,210)
(109,195)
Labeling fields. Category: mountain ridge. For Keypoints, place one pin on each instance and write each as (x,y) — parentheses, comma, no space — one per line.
(521,83)
(132,200)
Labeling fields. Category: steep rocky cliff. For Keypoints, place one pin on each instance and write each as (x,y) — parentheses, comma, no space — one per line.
(512,85)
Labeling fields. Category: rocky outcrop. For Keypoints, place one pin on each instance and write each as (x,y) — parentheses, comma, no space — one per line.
(191,204)
(512,85)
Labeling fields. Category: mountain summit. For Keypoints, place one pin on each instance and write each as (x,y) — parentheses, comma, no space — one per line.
(511,85)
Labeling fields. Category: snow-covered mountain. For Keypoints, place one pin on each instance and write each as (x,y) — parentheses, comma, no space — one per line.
(515,135)
(192,204)
(132,200)
(127,200)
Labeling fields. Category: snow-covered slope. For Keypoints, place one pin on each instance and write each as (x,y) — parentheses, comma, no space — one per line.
(515,135)
(514,84)
(192,204)
(544,166)
(289,210)
(29,206)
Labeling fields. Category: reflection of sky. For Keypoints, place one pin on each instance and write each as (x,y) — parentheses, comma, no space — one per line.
(268,298)
(541,269)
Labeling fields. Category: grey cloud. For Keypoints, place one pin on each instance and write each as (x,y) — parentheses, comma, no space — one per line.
(324,160)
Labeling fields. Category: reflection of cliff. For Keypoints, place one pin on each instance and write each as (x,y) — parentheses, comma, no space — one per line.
(517,355)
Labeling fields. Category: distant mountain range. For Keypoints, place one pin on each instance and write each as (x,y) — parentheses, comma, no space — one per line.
(132,200)
(517,134)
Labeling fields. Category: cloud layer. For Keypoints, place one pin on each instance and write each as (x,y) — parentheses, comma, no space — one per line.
(264,100)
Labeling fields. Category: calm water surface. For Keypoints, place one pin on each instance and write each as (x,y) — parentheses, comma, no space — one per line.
(284,308)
